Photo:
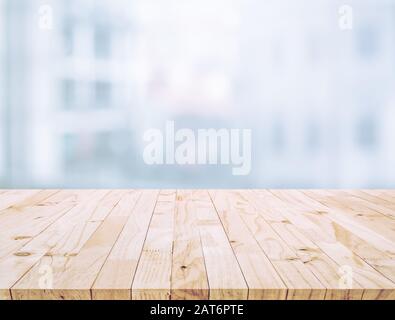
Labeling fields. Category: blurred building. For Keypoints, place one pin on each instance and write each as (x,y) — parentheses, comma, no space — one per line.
(82,81)
(321,95)
(69,91)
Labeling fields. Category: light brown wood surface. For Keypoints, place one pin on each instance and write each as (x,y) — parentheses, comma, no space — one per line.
(197,244)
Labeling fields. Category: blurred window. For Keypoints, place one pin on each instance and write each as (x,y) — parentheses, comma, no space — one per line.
(313,136)
(103,147)
(278,137)
(68,93)
(367,132)
(68,37)
(70,145)
(102,41)
(102,94)
(367,41)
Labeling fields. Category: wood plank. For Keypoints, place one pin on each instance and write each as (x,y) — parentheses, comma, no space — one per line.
(85,266)
(375,203)
(379,260)
(115,279)
(5,294)
(75,265)
(301,281)
(322,234)
(350,200)
(387,199)
(197,244)
(358,213)
(25,203)
(354,226)
(37,219)
(189,278)
(13,197)
(13,202)
(152,280)
(225,279)
(23,222)
(263,281)
(23,213)
(20,216)
(386,195)
(15,261)
(325,269)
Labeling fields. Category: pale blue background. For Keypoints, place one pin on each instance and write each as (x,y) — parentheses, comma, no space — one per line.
(76,99)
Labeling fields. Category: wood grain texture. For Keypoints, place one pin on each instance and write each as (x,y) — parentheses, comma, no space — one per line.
(153,275)
(116,276)
(26,240)
(197,244)
(189,278)
(225,278)
(16,198)
(263,280)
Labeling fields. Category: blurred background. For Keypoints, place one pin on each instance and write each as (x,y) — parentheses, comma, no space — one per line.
(79,88)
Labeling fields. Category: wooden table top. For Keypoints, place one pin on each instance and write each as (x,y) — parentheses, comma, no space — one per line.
(197,244)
